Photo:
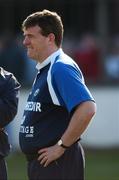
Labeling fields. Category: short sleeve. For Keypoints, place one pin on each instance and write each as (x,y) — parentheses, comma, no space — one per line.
(69,86)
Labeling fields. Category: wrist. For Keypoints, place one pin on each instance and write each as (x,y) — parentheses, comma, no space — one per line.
(61,144)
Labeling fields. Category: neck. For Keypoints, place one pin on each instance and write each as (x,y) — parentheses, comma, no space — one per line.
(47,53)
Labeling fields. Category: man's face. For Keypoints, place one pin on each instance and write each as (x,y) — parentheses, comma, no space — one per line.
(36,43)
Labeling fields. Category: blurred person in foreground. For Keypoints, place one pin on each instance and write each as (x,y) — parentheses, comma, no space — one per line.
(59,107)
(9,88)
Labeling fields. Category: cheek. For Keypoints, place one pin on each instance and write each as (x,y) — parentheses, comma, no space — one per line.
(41,46)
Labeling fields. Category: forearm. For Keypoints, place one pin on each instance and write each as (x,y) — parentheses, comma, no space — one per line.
(79,122)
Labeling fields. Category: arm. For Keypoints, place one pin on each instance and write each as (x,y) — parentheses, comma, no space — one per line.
(78,123)
(8,99)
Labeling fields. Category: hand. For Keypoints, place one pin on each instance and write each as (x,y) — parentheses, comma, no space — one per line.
(47,155)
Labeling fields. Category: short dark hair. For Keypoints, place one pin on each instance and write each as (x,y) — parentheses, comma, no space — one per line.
(49,22)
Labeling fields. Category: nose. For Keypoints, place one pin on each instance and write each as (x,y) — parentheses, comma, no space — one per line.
(26,41)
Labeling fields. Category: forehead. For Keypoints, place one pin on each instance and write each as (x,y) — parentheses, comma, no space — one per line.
(32,30)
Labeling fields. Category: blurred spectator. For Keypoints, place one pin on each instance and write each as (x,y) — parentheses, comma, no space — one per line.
(111,64)
(69,45)
(13,58)
(87,56)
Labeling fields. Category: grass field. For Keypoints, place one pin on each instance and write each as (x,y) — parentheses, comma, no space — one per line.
(100,165)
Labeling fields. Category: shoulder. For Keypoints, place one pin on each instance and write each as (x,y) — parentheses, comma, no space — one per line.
(65,65)
(5,74)
(7,78)
(62,62)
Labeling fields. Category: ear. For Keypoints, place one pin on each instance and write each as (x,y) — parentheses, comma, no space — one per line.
(51,38)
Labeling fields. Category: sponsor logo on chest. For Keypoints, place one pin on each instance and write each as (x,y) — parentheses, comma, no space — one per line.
(28,130)
(33,106)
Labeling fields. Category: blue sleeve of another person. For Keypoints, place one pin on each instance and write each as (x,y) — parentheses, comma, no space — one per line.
(69,85)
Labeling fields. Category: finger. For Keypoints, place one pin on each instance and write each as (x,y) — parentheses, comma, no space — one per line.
(43,161)
(47,163)
(42,151)
(42,156)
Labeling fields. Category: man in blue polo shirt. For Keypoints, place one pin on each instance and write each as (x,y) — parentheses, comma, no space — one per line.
(59,107)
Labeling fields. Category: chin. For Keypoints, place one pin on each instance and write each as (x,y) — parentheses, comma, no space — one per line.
(30,55)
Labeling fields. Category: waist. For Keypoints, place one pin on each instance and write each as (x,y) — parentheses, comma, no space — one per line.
(34,156)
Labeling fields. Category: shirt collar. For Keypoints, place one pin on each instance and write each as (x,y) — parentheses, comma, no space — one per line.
(39,66)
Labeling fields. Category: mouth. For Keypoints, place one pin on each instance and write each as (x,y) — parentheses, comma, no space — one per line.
(28,47)
(30,52)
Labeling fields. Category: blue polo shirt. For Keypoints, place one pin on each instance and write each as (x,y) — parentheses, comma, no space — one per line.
(58,88)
